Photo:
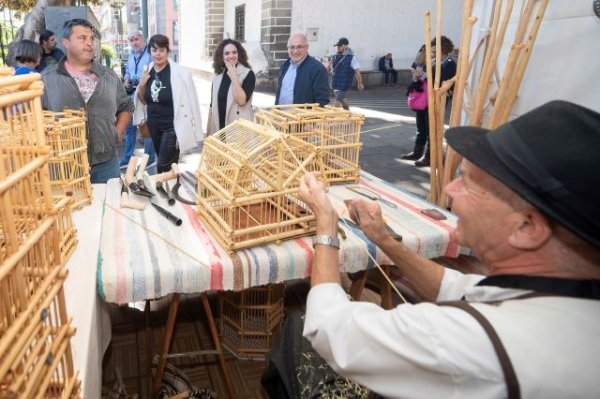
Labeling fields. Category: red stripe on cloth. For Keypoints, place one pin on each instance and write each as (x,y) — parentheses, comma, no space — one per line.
(309,251)
(216,266)
(451,248)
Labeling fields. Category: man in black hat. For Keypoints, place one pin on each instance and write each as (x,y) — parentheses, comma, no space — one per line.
(528,202)
(344,67)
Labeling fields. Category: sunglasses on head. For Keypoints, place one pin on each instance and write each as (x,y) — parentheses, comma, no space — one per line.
(79,22)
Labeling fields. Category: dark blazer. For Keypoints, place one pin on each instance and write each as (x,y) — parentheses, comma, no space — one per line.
(311,85)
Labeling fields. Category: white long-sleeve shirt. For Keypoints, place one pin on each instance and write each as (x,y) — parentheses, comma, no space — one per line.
(431,351)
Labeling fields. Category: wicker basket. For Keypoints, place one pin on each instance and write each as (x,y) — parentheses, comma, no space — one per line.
(67,233)
(21,121)
(248,182)
(69,166)
(334,131)
(250,320)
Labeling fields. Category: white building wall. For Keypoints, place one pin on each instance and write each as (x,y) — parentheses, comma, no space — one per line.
(373,27)
(191,41)
(253,17)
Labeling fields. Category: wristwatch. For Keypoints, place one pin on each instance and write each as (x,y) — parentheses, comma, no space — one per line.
(326,240)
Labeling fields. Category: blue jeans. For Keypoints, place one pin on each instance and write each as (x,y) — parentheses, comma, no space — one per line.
(130,137)
(101,172)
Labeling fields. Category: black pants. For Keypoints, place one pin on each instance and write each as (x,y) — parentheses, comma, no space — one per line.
(389,72)
(166,146)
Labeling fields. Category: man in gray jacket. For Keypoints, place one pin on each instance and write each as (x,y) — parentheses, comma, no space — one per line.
(78,81)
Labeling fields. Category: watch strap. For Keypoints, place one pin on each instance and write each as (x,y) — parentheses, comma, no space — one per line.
(324,239)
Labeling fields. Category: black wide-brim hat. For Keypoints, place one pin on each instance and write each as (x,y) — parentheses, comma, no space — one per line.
(550,156)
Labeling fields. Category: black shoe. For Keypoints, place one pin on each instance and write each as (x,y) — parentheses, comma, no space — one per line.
(422,162)
(412,156)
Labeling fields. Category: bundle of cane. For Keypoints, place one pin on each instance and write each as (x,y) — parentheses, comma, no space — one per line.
(437,96)
(499,101)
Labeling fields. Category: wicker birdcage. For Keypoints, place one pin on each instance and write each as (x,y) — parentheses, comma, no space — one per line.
(334,131)
(21,121)
(39,363)
(248,182)
(250,320)
(69,166)
(36,236)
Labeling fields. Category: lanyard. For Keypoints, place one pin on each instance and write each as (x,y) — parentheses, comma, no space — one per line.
(137,60)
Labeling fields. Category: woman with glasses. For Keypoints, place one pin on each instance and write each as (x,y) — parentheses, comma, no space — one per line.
(232,86)
(167,100)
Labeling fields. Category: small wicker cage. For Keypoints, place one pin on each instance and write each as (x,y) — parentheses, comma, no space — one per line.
(21,119)
(251,319)
(334,131)
(248,182)
(69,166)
(40,364)
(36,237)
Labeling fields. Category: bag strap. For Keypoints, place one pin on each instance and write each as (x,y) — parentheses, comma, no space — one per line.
(510,377)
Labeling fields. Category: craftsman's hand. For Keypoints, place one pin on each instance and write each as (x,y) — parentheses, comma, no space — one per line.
(367,214)
(312,192)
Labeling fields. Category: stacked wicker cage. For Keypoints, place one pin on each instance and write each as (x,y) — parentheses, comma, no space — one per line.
(248,182)
(250,320)
(36,237)
(69,166)
(334,131)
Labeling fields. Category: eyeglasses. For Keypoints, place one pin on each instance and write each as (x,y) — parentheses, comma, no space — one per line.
(79,22)
(292,48)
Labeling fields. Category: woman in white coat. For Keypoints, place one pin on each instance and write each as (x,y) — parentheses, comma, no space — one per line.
(167,99)
(232,86)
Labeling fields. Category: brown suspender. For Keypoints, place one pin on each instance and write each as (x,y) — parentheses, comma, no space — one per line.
(512,383)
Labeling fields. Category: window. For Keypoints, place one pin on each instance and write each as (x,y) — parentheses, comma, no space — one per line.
(240,23)
(175,32)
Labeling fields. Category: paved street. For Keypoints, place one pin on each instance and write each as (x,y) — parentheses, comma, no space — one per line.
(388,132)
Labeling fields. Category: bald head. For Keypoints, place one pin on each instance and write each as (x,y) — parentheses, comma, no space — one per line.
(297,47)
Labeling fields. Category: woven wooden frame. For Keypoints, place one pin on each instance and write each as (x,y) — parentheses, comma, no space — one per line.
(25,195)
(21,121)
(248,182)
(69,166)
(250,320)
(334,131)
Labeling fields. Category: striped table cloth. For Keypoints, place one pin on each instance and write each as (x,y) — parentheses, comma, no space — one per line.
(144,256)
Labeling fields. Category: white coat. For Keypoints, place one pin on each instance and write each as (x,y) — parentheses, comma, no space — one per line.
(186,108)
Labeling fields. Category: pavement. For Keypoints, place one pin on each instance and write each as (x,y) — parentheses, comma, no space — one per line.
(388,132)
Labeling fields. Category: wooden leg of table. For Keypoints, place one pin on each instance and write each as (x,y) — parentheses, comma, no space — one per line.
(385,289)
(162,361)
(358,284)
(149,346)
(217,343)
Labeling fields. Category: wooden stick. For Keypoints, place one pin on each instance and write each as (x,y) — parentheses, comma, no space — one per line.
(130,170)
(515,82)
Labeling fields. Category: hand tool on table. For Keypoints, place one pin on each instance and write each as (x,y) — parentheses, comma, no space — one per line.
(126,202)
(190,178)
(371,195)
(142,182)
(131,178)
(176,220)
(175,190)
(163,188)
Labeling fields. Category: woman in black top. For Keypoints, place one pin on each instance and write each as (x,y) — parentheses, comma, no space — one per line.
(171,102)
(232,87)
